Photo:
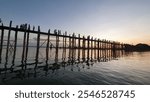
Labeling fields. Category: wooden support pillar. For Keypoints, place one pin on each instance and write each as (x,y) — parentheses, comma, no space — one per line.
(47,46)
(83,49)
(8,40)
(104,44)
(65,45)
(57,44)
(109,44)
(98,48)
(27,43)
(24,43)
(122,46)
(88,47)
(69,48)
(75,42)
(63,42)
(91,48)
(102,48)
(95,49)
(15,45)
(37,48)
(114,46)
(109,48)
(79,41)
(72,48)
(1,42)
(106,50)
(100,44)
(79,46)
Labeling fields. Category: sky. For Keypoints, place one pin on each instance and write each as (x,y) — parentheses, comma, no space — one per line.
(126,21)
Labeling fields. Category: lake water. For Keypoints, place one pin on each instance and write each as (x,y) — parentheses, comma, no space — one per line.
(112,68)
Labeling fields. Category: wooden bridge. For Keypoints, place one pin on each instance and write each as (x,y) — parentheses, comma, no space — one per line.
(66,50)
(54,40)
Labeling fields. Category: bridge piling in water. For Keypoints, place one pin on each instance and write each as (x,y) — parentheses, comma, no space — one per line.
(1,42)
(8,41)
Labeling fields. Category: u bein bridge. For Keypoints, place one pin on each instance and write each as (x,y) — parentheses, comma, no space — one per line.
(71,49)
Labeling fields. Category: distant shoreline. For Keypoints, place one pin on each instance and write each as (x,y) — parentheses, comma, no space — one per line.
(138,47)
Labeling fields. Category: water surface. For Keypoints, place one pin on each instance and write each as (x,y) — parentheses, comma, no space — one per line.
(112,68)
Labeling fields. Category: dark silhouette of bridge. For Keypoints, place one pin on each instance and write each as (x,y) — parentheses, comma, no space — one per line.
(55,40)
(71,48)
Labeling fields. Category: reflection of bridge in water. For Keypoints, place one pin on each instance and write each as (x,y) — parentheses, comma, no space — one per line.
(14,70)
(67,50)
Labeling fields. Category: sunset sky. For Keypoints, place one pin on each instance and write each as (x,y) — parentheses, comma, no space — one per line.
(126,21)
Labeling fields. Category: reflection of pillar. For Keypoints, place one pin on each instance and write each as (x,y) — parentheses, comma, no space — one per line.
(114,54)
(1,43)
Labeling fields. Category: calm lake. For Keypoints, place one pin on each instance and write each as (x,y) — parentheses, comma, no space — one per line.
(112,68)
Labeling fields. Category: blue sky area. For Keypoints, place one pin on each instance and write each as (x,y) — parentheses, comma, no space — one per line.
(120,20)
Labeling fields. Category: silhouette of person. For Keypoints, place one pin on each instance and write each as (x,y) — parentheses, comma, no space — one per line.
(55,31)
(21,26)
(33,28)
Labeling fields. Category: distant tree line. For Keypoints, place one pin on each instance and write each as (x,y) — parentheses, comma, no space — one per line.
(138,47)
